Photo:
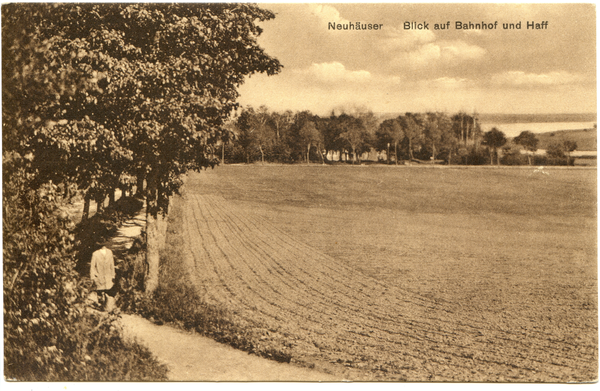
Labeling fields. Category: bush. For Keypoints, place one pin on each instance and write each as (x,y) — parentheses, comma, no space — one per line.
(48,333)
(513,157)
(544,160)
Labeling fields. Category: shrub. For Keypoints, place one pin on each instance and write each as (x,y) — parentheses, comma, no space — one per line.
(513,157)
(48,334)
(544,160)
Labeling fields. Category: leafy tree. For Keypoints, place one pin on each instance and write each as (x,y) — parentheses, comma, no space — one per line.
(331,130)
(155,81)
(568,147)
(310,136)
(528,140)
(437,125)
(413,129)
(353,134)
(465,127)
(281,122)
(390,132)
(494,139)
(562,149)
(256,131)
(555,150)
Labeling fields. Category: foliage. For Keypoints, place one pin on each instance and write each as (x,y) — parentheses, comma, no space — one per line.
(97,94)
(256,132)
(103,91)
(353,134)
(528,140)
(512,156)
(48,333)
(494,139)
(414,131)
(555,150)
(437,128)
(466,127)
(562,150)
(390,133)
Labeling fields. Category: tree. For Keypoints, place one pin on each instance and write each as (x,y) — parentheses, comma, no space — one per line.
(390,132)
(569,146)
(413,130)
(494,139)
(310,136)
(256,131)
(159,79)
(353,134)
(528,141)
(281,122)
(466,128)
(555,150)
(331,130)
(437,125)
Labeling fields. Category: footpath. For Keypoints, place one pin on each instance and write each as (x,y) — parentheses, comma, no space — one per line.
(192,357)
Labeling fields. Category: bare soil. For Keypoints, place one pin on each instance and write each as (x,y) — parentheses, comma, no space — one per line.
(494,281)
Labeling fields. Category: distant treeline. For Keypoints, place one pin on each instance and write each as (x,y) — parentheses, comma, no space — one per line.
(355,135)
(526,118)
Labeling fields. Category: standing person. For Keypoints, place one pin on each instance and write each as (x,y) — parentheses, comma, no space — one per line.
(102,272)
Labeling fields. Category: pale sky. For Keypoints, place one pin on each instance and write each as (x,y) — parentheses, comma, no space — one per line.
(550,70)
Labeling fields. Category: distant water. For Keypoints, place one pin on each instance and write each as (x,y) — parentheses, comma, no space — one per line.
(514,129)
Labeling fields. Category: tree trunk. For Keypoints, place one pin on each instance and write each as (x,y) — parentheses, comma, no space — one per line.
(410,150)
(308,154)
(152,252)
(86,206)
(111,198)
(152,233)
(139,187)
(262,154)
(396,151)
(223,153)
(389,160)
(353,155)
(491,157)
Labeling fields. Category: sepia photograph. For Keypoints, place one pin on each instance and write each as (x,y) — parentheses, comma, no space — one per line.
(299,192)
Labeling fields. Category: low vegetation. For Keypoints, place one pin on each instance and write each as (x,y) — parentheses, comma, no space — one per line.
(50,334)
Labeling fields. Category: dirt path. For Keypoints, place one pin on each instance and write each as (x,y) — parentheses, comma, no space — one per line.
(191,357)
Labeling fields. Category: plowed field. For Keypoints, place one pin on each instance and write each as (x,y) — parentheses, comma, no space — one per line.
(379,289)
